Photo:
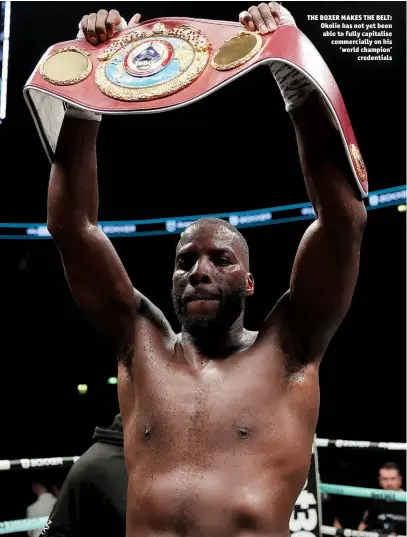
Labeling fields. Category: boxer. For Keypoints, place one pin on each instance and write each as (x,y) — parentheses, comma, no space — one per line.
(218,420)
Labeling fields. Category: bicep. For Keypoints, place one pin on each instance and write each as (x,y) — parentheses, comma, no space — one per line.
(322,284)
(325,273)
(98,281)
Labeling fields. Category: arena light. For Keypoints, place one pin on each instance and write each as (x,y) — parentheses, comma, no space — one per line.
(82,388)
(112,380)
(5,12)
(402,208)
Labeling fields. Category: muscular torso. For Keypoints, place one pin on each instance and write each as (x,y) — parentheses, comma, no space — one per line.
(214,447)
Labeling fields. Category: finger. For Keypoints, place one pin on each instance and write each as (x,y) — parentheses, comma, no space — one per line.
(275,11)
(257,19)
(135,19)
(101,24)
(112,20)
(246,20)
(84,24)
(267,17)
(90,31)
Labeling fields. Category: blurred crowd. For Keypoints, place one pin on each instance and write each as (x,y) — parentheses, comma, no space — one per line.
(382,516)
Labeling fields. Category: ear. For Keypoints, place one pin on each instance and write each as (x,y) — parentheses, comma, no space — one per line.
(249,284)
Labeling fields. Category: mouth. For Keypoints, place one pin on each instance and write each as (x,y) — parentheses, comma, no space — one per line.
(201,304)
(197,305)
(198,298)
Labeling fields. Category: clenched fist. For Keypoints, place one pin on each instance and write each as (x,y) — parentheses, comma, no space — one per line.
(100,26)
(265,17)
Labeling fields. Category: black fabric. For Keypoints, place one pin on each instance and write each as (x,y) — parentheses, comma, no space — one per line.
(386,517)
(111,435)
(92,502)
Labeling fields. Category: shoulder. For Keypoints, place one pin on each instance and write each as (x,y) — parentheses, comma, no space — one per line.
(31,509)
(97,462)
(48,498)
(151,312)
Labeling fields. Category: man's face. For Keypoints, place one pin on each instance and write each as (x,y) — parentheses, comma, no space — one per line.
(210,280)
(390,479)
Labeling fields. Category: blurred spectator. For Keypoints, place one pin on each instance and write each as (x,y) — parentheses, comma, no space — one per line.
(41,507)
(343,511)
(386,516)
(56,491)
(92,502)
(329,511)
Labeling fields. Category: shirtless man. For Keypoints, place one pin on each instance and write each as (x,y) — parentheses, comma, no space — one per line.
(218,421)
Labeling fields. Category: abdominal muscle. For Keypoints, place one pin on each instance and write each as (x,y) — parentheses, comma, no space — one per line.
(229,499)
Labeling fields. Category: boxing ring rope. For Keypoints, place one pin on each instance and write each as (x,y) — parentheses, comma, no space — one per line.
(28,524)
(28,464)
(25,524)
(361,444)
(329,530)
(362,492)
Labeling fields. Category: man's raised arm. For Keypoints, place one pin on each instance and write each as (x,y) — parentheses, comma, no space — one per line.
(326,266)
(96,276)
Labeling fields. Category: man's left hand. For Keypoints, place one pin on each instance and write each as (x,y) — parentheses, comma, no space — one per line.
(265,18)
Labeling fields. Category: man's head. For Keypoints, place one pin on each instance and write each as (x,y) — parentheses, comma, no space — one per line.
(38,489)
(390,477)
(211,279)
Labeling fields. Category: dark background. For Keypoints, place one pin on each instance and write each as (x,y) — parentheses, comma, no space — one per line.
(224,153)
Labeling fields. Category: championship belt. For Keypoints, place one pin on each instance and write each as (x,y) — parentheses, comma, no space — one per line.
(163,64)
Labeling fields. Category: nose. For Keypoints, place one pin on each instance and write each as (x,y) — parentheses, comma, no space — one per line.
(200,272)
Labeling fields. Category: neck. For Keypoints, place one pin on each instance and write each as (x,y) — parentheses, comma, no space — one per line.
(215,342)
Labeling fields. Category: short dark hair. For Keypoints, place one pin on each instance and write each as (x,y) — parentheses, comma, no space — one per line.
(390,466)
(230,227)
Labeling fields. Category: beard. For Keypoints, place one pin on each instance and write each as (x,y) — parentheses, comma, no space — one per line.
(230,308)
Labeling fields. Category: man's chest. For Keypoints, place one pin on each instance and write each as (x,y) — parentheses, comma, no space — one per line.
(243,399)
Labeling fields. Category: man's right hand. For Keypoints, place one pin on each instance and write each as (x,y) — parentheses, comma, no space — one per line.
(100,26)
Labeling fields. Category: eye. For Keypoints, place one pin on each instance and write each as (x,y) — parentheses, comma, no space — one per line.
(185,261)
(222,261)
